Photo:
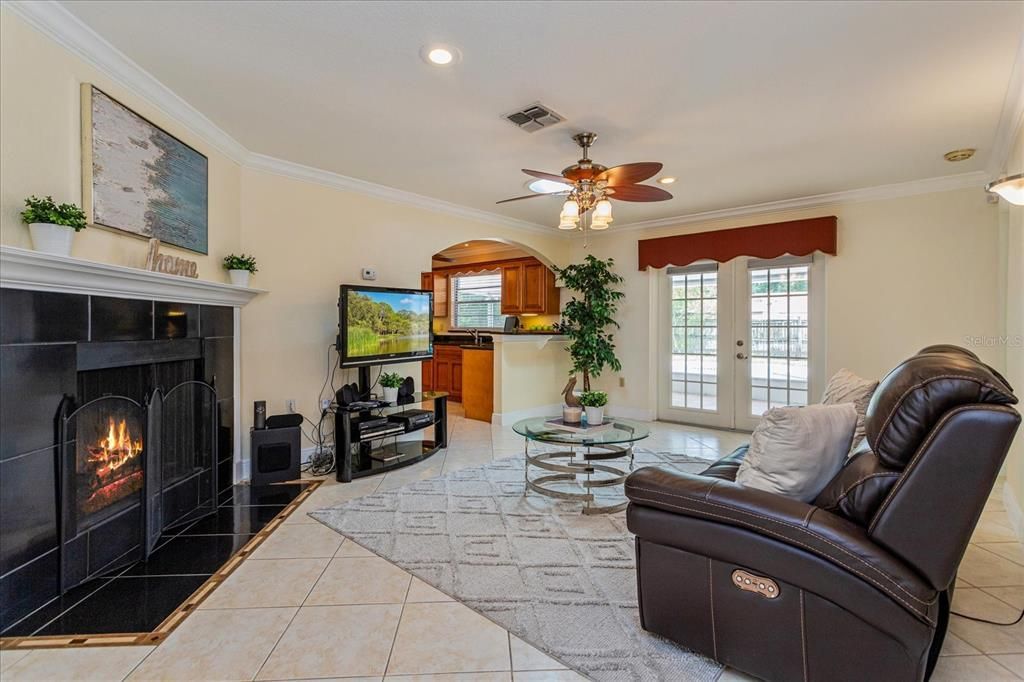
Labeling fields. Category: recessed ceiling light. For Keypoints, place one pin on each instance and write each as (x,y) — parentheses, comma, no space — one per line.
(959,154)
(547,186)
(666,181)
(439,55)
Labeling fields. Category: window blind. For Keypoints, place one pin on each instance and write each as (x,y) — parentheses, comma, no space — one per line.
(476,301)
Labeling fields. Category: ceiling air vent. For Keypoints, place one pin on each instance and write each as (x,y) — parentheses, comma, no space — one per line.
(533,118)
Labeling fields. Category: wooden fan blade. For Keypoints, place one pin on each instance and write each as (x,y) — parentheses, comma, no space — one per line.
(639,193)
(551,176)
(630,173)
(531,196)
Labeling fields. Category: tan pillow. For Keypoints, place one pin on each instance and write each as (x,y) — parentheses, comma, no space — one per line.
(796,451)
(847,387)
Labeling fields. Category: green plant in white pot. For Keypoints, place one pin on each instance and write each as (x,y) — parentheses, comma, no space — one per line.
(391,381)
(240,268)
(593,402)
(52,225)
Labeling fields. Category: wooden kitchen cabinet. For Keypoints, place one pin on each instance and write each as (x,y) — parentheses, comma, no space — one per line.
(438,283)
(444,372)
(427,375)
(528,286)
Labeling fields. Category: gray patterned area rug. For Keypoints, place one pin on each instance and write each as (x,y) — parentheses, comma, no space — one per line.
(562,581)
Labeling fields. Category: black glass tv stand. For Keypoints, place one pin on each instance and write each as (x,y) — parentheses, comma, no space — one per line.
(379,450)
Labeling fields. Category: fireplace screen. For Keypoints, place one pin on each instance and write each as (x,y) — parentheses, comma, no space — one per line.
(108,457)
(130,472)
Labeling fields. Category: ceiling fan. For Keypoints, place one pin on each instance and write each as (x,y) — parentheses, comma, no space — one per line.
(590,185)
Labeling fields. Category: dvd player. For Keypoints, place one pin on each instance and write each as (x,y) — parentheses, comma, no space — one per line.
(412,420)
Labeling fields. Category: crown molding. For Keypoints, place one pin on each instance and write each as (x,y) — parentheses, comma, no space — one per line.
(64,28)
(54,21)
(68,31)
(946,183)
(297,171)
(1011,118)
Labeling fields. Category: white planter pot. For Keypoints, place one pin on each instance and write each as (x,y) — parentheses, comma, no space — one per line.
(50,238)
(240,278)
(390,394)
(595,416)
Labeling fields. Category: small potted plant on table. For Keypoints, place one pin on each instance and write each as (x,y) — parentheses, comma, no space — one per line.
(240,268)
(52,225)
(593,402)
(391,381)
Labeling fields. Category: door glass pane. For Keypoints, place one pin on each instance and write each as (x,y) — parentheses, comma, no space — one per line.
(695,340)
(779,323)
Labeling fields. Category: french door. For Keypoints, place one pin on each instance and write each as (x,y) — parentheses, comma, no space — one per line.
(738,338)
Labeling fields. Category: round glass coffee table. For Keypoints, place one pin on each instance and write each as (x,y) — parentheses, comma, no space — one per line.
(583,462)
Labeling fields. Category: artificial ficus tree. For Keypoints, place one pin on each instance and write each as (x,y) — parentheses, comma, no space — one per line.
(587,318)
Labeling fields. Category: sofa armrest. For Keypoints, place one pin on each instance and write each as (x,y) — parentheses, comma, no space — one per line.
(794,523)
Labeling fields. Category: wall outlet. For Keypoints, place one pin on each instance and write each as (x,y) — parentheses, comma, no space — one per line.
(325,404)
(622,382)
(290,405)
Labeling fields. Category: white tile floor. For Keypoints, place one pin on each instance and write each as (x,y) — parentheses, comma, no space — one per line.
(315,624)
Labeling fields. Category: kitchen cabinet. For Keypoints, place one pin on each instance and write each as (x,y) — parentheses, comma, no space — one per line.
(438,283)
(528,286)
(444,372)
(478,389)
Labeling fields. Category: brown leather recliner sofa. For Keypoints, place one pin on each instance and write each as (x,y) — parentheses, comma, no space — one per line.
(855,586)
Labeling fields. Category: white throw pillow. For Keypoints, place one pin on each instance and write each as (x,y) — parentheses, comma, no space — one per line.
(795,451)
(847,387)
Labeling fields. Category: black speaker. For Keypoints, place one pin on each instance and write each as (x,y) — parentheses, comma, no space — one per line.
(282,421)
(276,454)
(259,414)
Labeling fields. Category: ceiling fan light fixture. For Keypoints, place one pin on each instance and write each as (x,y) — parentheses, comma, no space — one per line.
(567,224)
(596,224)
(570,210)
(603,211)
(1010,188)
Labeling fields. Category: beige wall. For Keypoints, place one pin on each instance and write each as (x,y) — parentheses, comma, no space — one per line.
(310,238)
(40,151)
(1012,224)
(910,272)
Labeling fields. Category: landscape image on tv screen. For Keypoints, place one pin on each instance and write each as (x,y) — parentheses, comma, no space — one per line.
(386,323)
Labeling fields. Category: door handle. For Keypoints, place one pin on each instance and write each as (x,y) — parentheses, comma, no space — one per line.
(741,356)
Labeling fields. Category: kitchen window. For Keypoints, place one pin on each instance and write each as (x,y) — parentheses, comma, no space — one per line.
(476,301)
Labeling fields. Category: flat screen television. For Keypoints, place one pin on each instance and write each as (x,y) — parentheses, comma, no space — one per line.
(379,325)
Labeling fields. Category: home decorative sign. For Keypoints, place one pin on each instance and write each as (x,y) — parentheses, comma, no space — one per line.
(170,265)
(138,178)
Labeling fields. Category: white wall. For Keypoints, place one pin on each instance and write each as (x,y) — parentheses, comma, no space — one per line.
(909,272)
(40,151)
(309,239)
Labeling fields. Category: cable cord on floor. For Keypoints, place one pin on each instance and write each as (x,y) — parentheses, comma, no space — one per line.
(990,622)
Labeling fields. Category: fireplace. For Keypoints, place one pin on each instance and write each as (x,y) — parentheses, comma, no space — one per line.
(137,457)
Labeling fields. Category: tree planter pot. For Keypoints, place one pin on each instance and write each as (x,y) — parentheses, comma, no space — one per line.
(595,415)
(390,394)
(50,238)
(240,278)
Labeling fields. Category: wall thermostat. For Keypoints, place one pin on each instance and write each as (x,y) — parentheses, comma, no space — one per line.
(369,274)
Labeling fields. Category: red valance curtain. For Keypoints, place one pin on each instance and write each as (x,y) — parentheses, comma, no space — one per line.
(795,237)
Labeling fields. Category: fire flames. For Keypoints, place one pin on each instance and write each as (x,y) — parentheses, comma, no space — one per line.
(112,468)
(115,450)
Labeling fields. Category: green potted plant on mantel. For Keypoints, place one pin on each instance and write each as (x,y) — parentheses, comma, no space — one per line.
(586,320)
(593,402)
(391,381)
(52,225)
(240,268)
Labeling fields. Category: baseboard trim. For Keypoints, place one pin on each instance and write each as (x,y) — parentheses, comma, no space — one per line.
(1013,511)
(637,413)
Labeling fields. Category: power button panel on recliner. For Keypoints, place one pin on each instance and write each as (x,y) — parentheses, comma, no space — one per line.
(748,582)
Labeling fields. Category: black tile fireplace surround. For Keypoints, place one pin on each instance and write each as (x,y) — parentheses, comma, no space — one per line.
(54,345)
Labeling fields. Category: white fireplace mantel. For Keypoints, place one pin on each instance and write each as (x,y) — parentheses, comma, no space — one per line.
(27,269)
